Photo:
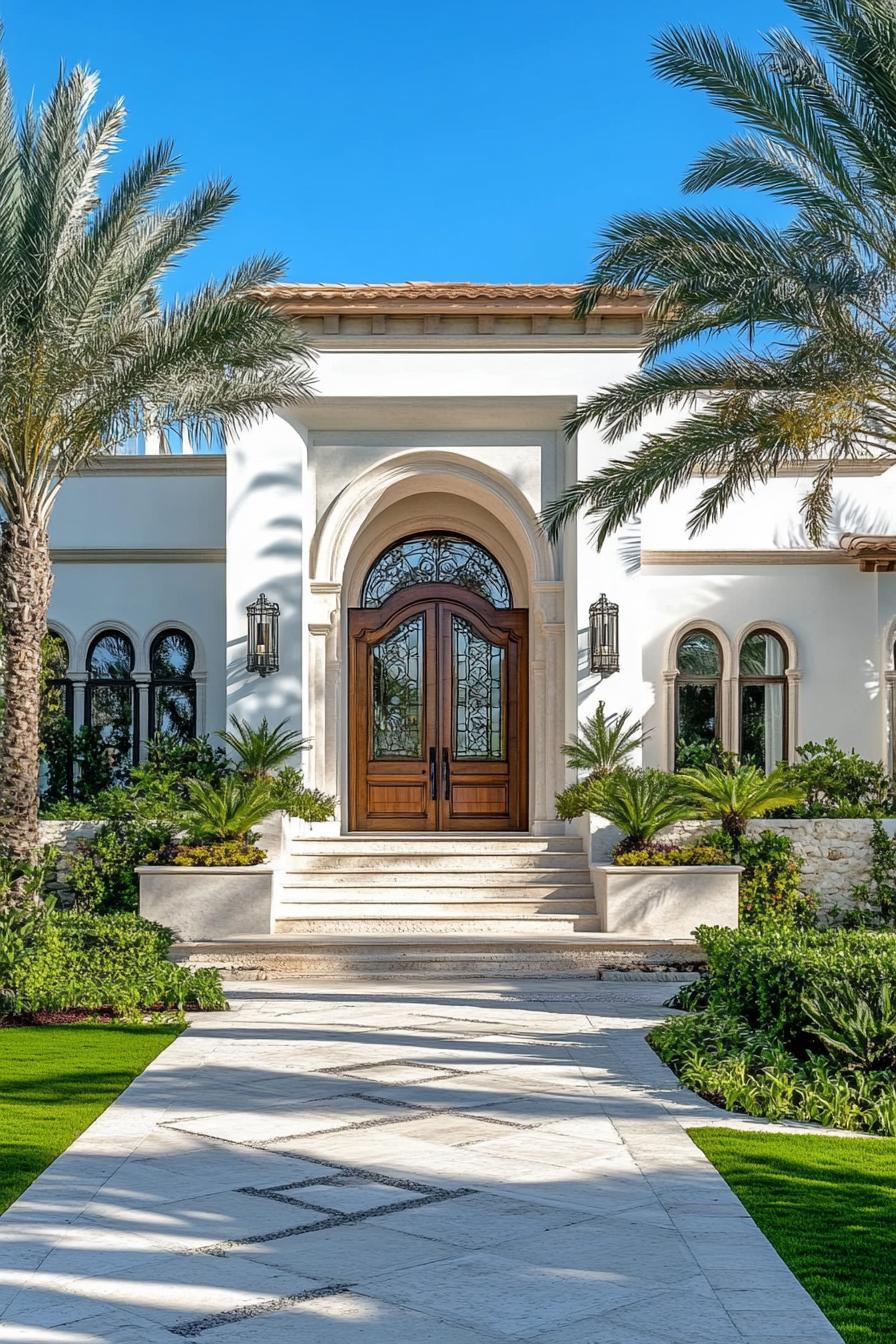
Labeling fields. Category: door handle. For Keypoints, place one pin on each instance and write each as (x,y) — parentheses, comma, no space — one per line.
(446,774)
(433,790)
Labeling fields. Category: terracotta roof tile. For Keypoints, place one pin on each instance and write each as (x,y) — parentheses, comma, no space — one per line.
(443,296)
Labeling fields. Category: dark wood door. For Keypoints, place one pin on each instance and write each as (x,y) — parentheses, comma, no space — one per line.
(437,713)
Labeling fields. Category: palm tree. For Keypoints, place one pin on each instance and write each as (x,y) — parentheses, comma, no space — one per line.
(735,797)
(605,742)
(90,357)
(804,314)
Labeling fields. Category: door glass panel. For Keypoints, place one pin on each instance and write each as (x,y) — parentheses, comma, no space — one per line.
(398,693)
(478,694)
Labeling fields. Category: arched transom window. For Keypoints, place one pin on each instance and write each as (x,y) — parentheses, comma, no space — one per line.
(436,557)
(763,700)
(698,689)
(172,701)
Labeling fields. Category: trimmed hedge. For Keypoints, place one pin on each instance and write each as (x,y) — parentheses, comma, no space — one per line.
(74,960)
(762,973)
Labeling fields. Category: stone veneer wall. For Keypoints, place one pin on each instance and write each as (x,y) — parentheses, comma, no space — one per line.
(836,852)
(64,836)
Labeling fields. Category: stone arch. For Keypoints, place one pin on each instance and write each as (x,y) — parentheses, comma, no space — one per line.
(425,489)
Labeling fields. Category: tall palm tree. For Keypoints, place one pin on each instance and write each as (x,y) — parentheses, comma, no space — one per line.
(90,357)
(803,315)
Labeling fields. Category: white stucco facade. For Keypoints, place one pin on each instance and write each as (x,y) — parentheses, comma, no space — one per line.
(439,413)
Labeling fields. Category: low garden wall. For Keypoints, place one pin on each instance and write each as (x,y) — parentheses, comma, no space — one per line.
(836,852)
(64,836)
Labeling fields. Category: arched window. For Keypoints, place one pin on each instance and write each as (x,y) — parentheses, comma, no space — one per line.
(112,695)
(698,689)
(436,557)
(172,691)
(763,700)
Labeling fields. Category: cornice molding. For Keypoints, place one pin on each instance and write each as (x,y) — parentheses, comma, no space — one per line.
(162,464)
(873,554)
(790,556)
(127,555)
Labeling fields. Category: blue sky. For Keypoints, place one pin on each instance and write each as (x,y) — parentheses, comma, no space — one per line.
(477,140)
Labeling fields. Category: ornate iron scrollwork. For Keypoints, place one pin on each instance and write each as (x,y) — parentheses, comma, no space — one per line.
(436,557)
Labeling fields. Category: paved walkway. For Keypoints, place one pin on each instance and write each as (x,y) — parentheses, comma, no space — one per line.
(431,1164)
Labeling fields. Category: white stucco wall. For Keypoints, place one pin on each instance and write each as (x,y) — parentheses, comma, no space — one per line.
(499,409)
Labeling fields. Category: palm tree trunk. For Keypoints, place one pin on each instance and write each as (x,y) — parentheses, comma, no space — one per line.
(26,578)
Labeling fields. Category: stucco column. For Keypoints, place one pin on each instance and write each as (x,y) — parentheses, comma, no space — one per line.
(324,687)
(79,690)
(546,706)
(142,699)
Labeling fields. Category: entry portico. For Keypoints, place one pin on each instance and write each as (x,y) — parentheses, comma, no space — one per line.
(438,413)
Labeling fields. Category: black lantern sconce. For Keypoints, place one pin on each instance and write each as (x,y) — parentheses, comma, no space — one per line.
(603,636)
(263,636)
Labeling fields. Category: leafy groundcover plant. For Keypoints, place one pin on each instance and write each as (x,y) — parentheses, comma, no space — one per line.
(54,962)
(796,1024)
(672,856)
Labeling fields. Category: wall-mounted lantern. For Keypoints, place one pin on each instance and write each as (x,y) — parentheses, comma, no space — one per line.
(263,636)
(603,636)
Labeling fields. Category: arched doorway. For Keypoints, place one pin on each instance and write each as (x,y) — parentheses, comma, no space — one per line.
(437,691)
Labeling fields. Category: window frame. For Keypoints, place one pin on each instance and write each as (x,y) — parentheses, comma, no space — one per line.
(769,679)
(187,682)
(91,682)
(695,679)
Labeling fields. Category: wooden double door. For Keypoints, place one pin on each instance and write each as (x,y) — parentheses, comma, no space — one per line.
(437,713)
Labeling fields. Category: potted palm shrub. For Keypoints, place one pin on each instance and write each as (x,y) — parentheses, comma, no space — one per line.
(650,890)
(213,881)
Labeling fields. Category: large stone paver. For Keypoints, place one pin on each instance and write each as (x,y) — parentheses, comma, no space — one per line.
(452,1164)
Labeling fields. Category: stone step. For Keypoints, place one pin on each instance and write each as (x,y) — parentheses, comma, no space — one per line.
(486,924)
(409,893)
(431,957)
(383,865)
(438,843)
(506,907)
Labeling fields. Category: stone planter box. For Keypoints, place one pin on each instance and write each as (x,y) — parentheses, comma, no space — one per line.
(665,902)
(208,903)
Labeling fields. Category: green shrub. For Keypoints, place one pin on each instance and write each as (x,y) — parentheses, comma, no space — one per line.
(861,1033)
(770,885)
(764,974)
(579,798)
(672,856)
(839,783)
(723,1059)
(697,755)
(288,792)
(215,854)
(101,877)
(74,960)
(874,901)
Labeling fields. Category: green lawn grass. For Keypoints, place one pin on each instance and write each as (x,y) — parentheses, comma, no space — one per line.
(55,1080)
(828,1206)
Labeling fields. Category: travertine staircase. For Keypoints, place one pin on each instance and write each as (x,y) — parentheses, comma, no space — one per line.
(360,907)
(461,885)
